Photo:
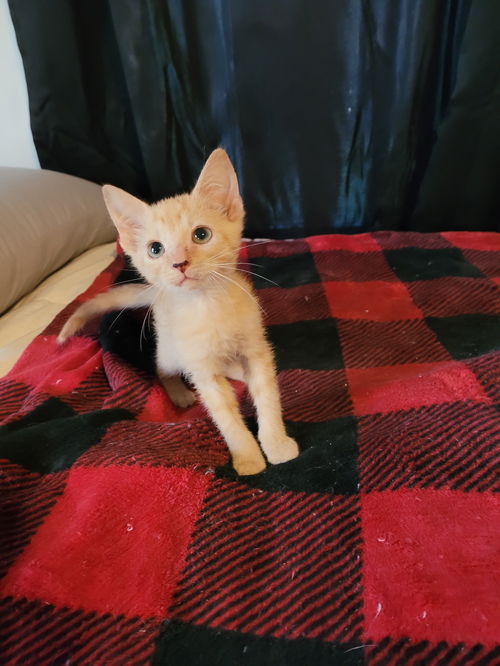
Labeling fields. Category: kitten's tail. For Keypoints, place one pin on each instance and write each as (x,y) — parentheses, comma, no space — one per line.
(127,296)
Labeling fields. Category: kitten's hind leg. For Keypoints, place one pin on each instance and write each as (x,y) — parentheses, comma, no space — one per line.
(218,397)
(177,391)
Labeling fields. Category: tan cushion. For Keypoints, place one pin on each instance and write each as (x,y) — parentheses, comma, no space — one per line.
(46,219)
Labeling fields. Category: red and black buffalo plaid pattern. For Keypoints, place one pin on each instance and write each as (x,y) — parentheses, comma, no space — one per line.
(127,538)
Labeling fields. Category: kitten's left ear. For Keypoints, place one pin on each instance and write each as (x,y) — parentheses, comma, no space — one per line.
(218,185)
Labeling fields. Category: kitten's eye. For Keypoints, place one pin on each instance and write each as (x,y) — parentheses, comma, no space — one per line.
(155,249)
(202,235)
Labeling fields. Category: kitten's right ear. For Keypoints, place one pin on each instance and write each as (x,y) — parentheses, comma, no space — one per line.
(218,185)
(128,214)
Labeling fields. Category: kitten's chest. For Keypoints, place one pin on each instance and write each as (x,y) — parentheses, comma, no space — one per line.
(191,332)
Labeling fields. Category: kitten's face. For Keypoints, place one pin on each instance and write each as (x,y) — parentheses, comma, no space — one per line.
(184,241)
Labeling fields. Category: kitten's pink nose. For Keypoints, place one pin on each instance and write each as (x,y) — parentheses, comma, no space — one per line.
(181,266)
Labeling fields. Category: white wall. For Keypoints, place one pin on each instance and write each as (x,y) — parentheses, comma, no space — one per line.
(16,141)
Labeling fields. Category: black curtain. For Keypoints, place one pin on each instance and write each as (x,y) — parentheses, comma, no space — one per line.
(339,115)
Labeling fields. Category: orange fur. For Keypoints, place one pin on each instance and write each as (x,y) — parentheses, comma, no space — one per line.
(207,318)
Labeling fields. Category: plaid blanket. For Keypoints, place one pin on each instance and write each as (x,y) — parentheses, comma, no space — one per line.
(127,538)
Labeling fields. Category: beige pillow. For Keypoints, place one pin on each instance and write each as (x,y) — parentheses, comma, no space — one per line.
(46,219)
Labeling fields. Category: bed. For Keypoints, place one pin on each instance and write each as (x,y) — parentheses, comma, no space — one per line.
(56,237)
(34,311)
(128,538)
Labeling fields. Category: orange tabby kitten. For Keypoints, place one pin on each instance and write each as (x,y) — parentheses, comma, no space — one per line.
(207,319)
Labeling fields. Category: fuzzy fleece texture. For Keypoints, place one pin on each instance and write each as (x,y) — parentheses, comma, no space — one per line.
(127,538)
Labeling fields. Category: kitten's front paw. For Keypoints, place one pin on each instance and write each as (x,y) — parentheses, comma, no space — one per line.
(73,325)
(248,466)
(282,451)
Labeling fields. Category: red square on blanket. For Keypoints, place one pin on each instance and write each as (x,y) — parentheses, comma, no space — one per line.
(76,360)
(358,243)
(368,344)
(430,566)
(473,240)
(374,300)
(389,388)
(115,541)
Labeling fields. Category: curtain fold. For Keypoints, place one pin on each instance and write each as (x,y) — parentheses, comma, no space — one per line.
(345,116)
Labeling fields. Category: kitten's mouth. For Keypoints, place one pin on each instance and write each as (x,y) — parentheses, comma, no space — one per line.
(186,278)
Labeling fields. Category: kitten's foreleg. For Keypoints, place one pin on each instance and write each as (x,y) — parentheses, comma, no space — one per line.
(263,387)
(127,296)
(218,397)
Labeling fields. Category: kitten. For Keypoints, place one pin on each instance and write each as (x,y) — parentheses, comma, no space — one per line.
(207,319)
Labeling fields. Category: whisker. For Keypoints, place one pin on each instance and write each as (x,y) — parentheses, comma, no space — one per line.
(251,243)
(142,332)
(143,326)
(220,253)
(126,307)
(136,280)
(263,277)
(258,240)
(118,315)
(245,243)
(242,289)
(147,317)
(241,270)
(242,262)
